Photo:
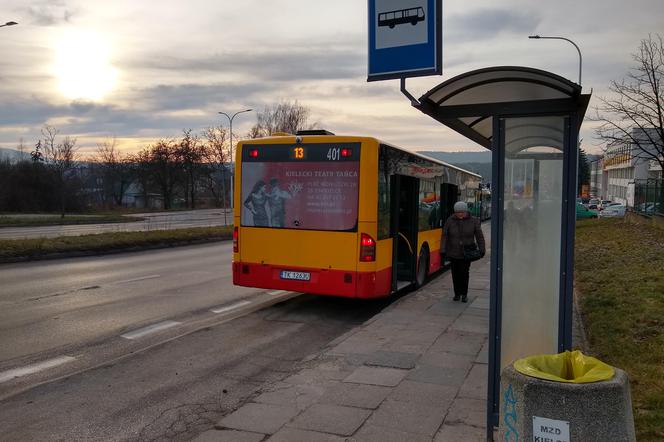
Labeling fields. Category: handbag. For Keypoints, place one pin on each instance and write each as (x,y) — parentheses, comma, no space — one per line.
(471,252)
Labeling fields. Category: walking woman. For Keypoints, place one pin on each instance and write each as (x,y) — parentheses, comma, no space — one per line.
(461,231)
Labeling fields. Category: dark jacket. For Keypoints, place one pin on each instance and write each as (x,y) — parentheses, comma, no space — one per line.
(459,232)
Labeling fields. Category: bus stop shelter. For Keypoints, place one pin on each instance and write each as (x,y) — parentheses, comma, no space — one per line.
(530,120)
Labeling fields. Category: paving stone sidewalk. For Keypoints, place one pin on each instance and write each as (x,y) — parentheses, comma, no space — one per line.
(415,372)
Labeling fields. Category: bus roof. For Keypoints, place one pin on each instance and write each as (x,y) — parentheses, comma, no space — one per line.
(330,138)
(433,160)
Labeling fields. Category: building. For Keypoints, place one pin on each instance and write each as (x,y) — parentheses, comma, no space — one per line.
(598,179)
(626,163)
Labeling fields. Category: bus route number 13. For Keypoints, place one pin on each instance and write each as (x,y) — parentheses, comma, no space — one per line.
(298,153)
(334,154)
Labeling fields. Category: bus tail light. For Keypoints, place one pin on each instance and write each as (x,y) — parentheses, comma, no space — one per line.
(236,245)
(367,248)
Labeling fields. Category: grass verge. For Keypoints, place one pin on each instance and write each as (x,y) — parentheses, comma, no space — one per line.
(620,278)
(25,249)
(56,220)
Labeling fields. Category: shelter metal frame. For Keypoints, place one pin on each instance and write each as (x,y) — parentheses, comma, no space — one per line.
(476,104)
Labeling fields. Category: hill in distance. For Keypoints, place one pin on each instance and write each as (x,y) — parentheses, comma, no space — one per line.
(13,154)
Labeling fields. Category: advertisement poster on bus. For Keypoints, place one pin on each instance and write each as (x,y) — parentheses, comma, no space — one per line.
(308,196)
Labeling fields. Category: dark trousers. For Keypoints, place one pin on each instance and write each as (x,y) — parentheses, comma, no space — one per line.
(460,276)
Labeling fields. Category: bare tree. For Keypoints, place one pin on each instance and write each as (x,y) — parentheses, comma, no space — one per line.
(116,169)
(190,155)
(49,133)
(288,117)
(142,169)
(21,148)
(216,157)
(62,159)
(633,115)
(164,169)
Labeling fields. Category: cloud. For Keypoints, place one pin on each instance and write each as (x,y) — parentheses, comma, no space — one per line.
(49,13)
(487,23)
(197,96)
(288,64)
(86,119)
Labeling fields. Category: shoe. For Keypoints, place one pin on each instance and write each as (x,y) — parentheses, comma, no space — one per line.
(456,298)
(464,298)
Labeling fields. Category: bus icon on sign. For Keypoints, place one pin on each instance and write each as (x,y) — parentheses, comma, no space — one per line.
(401,16)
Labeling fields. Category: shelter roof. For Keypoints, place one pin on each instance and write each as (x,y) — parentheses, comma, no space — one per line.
(468,102)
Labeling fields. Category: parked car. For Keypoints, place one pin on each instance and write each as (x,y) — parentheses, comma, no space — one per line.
(594,202)
(583,212)
(613,211)
(649,208)
(603,204)
(613,204)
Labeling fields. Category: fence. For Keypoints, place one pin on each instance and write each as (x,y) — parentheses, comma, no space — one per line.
(649,196)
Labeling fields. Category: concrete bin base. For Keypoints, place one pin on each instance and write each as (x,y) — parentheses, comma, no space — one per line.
(533,409)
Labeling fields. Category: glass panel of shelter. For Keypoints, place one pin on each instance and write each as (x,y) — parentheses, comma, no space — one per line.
(531,250)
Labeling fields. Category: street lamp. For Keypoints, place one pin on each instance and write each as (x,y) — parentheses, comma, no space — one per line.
(566,39)
(230,124)
(9,23)
(578,144)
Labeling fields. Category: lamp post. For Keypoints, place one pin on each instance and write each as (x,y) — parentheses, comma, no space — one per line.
(230,124)
(578,144)
(566,39)
(9,23)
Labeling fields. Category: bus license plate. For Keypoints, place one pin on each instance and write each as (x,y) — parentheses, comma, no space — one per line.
(299,276)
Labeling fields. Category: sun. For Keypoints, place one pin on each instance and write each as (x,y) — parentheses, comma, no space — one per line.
(83,66)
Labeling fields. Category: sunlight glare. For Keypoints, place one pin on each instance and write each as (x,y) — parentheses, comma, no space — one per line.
(83,66)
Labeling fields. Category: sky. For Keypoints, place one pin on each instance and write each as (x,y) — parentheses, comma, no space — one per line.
(143,70)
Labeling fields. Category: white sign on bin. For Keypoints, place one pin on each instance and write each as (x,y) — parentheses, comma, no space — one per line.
(550,430)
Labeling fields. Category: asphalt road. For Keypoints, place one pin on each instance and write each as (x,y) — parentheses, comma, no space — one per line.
(83,336)
(46,305)
(153,221)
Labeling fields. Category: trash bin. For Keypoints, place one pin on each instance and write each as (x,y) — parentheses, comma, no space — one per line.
(564,397)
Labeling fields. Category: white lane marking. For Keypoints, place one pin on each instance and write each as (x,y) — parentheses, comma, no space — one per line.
(34,368)
(277,292)
(140,278)
(150,329)
(230,307)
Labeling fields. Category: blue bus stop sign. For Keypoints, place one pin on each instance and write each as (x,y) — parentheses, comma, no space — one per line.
(404,38)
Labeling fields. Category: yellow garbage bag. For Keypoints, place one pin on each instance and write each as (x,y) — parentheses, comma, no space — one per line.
(570,366)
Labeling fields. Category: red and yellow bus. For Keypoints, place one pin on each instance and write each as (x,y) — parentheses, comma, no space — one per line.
(339,215)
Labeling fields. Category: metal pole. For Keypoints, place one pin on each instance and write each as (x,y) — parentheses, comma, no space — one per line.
(548,37)
(230,124)
(568,40)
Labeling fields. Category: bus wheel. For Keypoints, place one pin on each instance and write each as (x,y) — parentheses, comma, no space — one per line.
(422,268)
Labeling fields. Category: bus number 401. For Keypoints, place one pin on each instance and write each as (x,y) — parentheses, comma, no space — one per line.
(335,153)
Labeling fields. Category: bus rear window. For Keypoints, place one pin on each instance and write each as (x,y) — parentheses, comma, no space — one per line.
(306,187)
